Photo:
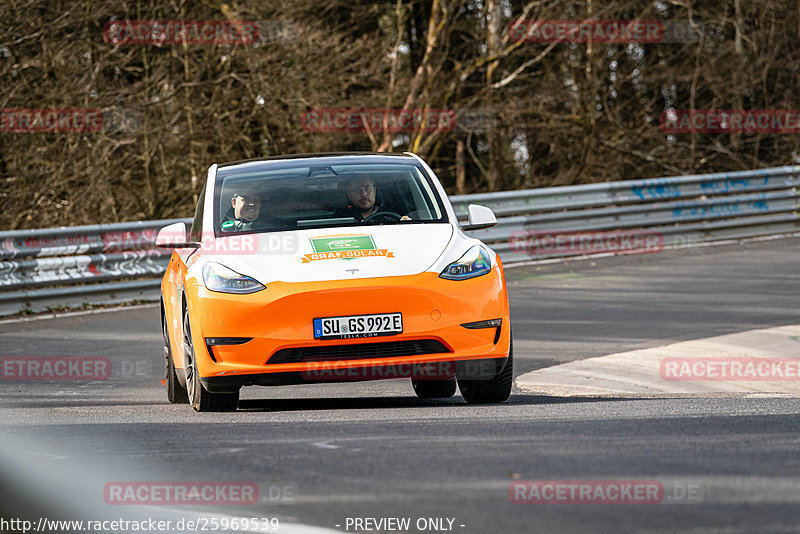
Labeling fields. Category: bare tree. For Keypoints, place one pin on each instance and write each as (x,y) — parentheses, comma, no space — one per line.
(566,112)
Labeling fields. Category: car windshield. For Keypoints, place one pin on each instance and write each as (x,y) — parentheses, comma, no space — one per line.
(283,196)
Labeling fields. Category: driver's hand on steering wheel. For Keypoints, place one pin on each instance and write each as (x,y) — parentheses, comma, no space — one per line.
(405,218)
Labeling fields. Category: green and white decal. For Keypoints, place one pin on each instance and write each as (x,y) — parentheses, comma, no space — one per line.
(336,244)
(346,247)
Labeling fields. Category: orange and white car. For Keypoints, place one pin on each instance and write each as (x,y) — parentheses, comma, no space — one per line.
(332,267)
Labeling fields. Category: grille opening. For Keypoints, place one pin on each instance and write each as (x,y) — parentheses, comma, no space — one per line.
(359,351)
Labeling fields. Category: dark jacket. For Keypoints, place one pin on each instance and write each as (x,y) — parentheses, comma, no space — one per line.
(354,212)
(268,222)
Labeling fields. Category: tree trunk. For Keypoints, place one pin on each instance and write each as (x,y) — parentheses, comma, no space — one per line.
(461,172)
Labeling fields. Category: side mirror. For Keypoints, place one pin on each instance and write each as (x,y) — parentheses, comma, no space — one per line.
(174,236)
(480,217)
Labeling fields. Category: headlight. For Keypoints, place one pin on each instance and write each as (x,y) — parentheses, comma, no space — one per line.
(474,262)
(217,277)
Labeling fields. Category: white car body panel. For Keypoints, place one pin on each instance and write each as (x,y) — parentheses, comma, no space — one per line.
(288,256)
(279,256)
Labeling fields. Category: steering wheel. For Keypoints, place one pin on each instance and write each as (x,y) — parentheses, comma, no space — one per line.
(389,215)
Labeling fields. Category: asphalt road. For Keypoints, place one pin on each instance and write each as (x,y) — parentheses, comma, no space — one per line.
(323,454)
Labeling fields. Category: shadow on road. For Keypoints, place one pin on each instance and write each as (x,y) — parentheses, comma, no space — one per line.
(362,403)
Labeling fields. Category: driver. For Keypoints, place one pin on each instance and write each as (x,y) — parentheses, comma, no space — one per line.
(361,195)
(244,214)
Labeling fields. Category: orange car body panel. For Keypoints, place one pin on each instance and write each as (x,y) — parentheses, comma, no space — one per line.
(281,316)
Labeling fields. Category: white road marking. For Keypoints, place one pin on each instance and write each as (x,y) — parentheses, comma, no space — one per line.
(325,445)
(644,372)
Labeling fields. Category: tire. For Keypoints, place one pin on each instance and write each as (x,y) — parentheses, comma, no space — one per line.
(176,393)
(434,389)
(201,399)
(491,391)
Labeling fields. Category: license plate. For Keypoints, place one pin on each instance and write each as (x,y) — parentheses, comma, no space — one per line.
(350,326)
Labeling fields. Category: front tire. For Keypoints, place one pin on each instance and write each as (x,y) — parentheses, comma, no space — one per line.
(491,391)
(434,389)
(200,398)
(176,393)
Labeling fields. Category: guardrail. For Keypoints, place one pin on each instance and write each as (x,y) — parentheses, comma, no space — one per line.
(678,210)
(105,263)
(118,262)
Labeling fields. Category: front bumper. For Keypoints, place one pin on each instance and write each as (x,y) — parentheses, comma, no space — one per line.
(280,317)
(470,369)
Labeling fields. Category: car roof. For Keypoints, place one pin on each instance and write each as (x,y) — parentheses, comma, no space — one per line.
(324,158)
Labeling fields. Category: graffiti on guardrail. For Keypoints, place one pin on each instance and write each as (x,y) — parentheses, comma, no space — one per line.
(699,208)
(129,240)
(128,264)
(37,246)
(657,188)
(132,263)
(73,244)
(670,188)
(731,185)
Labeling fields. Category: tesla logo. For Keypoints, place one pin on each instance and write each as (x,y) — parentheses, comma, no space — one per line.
(351,271)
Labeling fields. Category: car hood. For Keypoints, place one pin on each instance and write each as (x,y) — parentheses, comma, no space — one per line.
(335,253)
